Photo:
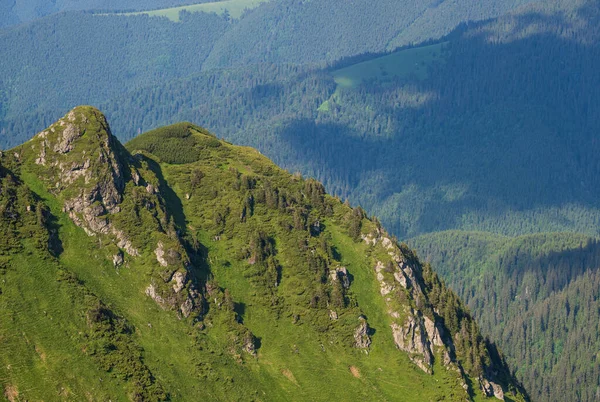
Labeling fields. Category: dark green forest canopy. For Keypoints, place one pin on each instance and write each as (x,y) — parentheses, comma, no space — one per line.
(500,135)
(13,12)
(81,58)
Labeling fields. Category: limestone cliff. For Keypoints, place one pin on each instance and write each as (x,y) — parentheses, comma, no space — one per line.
(417,327)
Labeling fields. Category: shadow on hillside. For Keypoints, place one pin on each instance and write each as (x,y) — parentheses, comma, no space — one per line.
(173,202)
(512,121)
(554,270)
(55,246)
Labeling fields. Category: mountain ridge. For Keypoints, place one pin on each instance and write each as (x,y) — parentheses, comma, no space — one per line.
(118,198)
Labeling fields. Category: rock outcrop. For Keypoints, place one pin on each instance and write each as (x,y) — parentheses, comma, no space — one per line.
(491,388)
(102,187)
(409,329)
(79,158)
(412,338)
(340,274)
(362,338)
(416,331)
(118,259)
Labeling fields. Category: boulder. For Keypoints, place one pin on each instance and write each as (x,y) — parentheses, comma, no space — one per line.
(362,338)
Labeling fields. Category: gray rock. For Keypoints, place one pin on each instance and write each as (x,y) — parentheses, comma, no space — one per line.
(498,391)
(179,278)
(362,340)
(66,138)
(151,291)
(160,254)
(118,259)
(340,274)
(490,388)
(249,346)
(187,307)
(124,243)
(434,332)
(412,338)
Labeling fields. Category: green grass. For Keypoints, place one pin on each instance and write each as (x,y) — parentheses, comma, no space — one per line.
(42,344)
(297,350)
(164,338)
(275,288)
(287,348)
(404,63)
(234,7)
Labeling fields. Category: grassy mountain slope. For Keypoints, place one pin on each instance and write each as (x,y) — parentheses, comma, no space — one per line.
(537,296)
(185,267)
(403,63)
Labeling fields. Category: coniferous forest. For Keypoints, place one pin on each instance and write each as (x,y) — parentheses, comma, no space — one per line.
(469,131)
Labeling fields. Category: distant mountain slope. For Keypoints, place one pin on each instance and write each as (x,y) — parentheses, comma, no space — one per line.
(537,296)
(20,11)
(74,56)
(230,8)
(184,267)
(323,31)
(108,54)
(496,134)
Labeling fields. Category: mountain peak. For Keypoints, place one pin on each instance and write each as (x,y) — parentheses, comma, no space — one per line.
(101,186)
(83,124)
(264,265)
(78,154)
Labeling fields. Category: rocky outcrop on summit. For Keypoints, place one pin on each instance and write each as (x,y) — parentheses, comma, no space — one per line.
(78,157)
(108,193)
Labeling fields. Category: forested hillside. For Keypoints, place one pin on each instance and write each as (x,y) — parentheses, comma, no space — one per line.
(72,57)
(317,31)
(81,58)
(537,296)
(497,132)
(13,12)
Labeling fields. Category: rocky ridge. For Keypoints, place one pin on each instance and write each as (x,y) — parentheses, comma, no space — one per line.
(300,264)
(85,166)
(416,330)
